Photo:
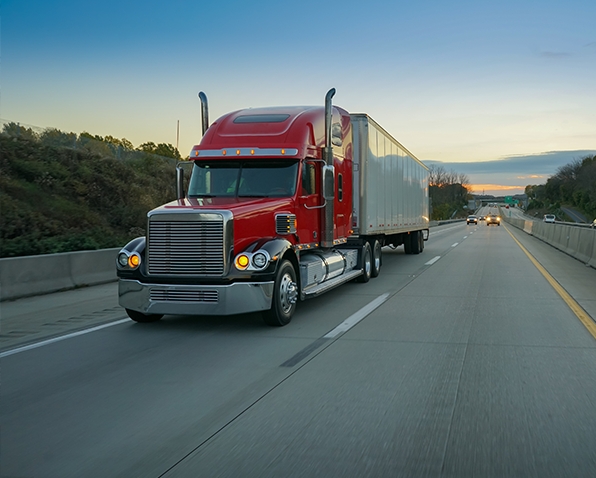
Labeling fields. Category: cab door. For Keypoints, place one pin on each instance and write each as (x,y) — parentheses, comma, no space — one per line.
(308,214)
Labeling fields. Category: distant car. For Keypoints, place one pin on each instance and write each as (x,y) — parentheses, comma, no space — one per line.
(472,219)
(549,218)
(481,218)
(493,219)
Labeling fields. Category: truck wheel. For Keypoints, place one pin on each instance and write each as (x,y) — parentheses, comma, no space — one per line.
(377,257)
(285,296)
(143,318)
(421,239)
(415,242)
(366,264)
(408,243)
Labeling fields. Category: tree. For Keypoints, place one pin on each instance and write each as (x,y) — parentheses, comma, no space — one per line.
(161,149)
(16,130)
(449,191)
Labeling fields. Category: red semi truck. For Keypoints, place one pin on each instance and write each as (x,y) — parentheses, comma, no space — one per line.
(283,204)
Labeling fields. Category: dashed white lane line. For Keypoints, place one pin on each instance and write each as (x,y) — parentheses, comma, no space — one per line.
(353,319)
(432,261)
(62,337)
(453,245)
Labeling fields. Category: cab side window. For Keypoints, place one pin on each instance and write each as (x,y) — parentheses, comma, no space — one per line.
(308,179)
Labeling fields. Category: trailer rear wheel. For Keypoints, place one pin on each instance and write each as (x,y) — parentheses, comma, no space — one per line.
(415,237)
(413,242)
(377,257)
(366,263)
(143,318)
(408,243)
(285,296)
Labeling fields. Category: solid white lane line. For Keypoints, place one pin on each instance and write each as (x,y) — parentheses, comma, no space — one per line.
(432,261)
(62,337)
(453,245)
(353,319)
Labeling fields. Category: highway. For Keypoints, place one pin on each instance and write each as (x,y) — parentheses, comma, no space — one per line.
(461,361)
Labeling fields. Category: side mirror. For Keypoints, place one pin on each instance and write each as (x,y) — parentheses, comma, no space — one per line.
(179,182)
(328,182)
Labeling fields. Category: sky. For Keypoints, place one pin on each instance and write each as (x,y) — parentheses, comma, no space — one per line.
(503,92)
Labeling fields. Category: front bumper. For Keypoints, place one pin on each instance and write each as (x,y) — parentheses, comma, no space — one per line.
(182,299)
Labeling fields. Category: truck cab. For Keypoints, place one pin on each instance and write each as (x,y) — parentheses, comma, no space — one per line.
(272,215)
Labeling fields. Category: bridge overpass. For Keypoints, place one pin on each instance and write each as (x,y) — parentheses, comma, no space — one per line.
(474,358)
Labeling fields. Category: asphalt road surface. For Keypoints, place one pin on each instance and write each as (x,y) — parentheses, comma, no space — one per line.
(461,361)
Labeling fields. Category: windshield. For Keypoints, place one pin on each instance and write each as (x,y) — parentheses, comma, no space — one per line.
(272,178)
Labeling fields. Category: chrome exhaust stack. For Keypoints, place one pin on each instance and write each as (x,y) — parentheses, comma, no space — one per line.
(328,175)
(204,111)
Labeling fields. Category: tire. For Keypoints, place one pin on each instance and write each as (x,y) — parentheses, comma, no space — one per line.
(421,236)
(377,258)
(415,240)
(143,318)
(366,264)
(285,296)
(408,243)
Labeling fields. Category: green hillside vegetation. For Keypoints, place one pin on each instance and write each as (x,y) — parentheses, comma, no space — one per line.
(573,185)
(62,192)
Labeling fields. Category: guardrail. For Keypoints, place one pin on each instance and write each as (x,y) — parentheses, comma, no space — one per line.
(43,274)
(578,242)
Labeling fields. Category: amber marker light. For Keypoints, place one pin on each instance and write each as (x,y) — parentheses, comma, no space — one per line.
(242,261)
(252,151)
(237,152)
(224,152)
(283,151)
(134,260)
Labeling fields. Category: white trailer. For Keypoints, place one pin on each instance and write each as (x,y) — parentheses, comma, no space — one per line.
(390,187)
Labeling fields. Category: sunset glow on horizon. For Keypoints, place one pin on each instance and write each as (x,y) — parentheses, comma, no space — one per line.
(496,189)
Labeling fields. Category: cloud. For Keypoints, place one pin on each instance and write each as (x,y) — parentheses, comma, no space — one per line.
(512,174)
(532,176)
(543,164)
(554,54)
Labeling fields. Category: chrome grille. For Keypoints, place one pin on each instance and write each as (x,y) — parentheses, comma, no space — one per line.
(186,247)
(183,295)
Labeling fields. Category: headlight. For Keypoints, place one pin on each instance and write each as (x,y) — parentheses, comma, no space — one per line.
(129,260)
(123,259)
(259,260)
(252,261)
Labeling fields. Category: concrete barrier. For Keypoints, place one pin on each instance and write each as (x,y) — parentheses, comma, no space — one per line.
(43,274)
(578,242)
